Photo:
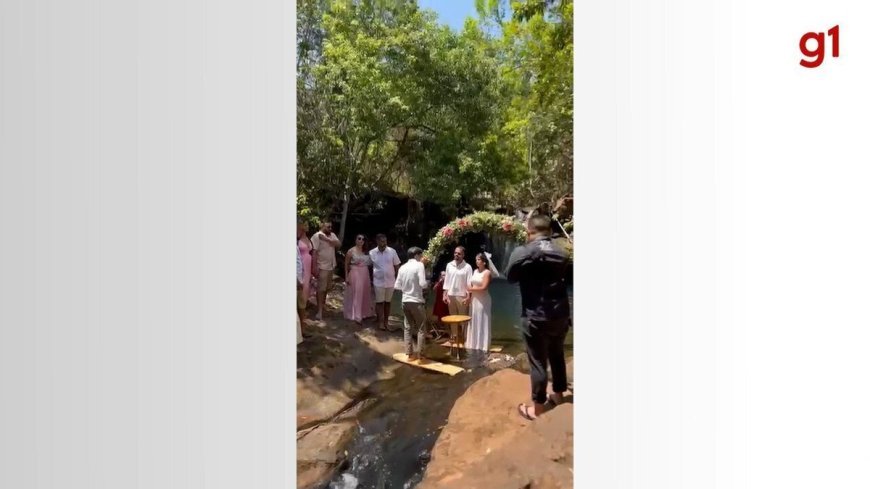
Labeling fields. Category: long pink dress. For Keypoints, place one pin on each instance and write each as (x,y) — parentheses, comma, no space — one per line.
(358,303)
(305,252)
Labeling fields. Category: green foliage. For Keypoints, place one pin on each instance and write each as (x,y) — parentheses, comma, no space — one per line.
(390,100)
(537,43)
(306,213)
(479,222)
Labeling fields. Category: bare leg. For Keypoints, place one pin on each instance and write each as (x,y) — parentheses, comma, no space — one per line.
(321,302)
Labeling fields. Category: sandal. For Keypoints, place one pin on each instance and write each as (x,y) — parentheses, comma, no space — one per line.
(551,403)
(524,411)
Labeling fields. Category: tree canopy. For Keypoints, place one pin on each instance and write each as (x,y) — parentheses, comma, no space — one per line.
(390,100)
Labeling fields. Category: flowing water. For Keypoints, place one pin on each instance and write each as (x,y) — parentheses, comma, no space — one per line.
(397,433)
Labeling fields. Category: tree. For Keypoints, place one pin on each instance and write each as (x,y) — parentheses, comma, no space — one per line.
(395,102)
(389,100)
(537,65)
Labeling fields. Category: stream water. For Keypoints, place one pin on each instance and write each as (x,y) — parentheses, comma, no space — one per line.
(402,421)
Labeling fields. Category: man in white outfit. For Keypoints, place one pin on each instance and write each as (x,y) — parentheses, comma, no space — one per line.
(456,282)
(411,281)
(385,265)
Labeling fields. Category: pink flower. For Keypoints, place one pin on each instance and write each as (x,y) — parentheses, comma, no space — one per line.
(462,223)
(507,226)
(447,231)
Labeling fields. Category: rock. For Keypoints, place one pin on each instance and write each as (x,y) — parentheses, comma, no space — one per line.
(522,363)
(335,365)
(313,476)
(325,443)
(320,453)
(486,444)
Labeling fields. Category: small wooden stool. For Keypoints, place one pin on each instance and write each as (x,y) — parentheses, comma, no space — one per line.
(457,338)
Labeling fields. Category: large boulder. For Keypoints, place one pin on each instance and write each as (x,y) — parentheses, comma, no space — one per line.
(486,444)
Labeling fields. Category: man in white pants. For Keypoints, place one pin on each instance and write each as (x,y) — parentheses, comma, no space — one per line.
(385,265)
(456,282)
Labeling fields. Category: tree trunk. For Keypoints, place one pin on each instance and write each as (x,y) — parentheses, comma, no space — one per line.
(344,207)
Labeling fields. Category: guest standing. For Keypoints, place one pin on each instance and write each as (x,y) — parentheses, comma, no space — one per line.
(305,249)
(411,281)
(299,276)
(456,282)
(385,265)
(324,243)
(543,271)
(358,291)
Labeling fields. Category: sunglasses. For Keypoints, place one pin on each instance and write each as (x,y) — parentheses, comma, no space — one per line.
(360,239)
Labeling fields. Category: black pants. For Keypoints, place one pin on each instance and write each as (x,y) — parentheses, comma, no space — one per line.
(545,343)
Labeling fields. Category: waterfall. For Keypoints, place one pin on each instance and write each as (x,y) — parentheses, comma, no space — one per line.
(501,248)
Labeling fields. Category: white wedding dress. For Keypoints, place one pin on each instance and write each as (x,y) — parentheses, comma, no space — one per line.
(479,332)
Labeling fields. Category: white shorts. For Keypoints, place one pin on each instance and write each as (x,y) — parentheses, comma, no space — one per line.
(383,294)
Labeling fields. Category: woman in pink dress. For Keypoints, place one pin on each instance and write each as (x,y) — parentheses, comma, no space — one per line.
(358,303)
(305,250)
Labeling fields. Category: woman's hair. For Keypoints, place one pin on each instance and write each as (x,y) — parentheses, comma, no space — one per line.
(483,257)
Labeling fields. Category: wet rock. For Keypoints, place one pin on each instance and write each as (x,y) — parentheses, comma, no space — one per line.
(486,444)
(320,453)
(313,475)
(325,443)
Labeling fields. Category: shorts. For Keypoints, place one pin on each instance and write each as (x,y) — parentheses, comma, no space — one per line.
(383,294)
(324,280)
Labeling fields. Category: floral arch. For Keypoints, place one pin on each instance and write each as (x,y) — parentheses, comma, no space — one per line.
(479,222)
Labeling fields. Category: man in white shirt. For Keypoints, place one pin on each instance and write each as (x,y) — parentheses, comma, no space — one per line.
(456,282)
(411,281)
(385,265)
(325,243)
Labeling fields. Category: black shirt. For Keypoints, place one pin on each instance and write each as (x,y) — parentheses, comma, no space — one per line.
(544,271)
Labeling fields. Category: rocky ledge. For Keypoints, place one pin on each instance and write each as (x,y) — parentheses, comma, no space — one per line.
(486,444)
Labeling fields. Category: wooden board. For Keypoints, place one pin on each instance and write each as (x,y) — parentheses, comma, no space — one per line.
(427,364)
(492,349)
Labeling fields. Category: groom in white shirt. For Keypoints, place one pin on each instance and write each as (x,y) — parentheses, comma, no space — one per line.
(456,282)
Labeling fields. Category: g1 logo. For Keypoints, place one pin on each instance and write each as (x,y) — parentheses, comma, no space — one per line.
(817,56)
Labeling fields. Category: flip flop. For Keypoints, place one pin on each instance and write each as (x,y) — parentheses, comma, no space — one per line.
(524,411)
(551,403)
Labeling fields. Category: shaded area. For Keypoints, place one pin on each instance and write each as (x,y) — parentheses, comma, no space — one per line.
(396,434)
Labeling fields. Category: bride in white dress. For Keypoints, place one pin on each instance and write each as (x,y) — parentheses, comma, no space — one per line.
(480,328)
